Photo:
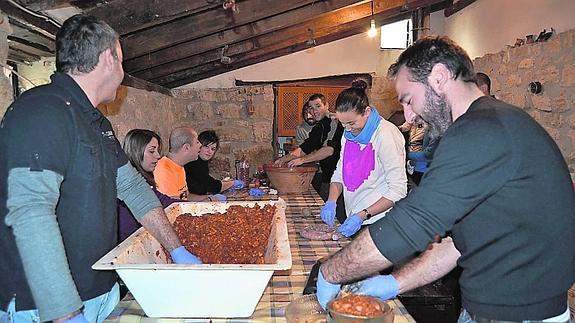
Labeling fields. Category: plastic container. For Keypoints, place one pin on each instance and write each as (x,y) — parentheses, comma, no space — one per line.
(208,290)
(386,317)
(243,170)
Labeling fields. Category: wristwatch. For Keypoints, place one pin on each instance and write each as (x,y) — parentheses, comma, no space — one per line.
(367,214)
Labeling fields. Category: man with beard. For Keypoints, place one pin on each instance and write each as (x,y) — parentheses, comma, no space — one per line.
(510,217)
(303,129)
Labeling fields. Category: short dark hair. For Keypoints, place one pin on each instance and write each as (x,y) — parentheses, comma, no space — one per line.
(135,144)
(208,137)
(304,109)
(80,41)
(482,78)
(420,58)
(353,98)
(316,96)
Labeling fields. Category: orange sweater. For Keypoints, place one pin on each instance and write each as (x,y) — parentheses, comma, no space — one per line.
(170,178)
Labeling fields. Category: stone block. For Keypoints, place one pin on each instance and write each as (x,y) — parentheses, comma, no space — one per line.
(229,110)
(548,74)
(526,63)
(234,133)
(541,102)
(568,75)
(199,110)
(263,109)
(269,93)
(262,131)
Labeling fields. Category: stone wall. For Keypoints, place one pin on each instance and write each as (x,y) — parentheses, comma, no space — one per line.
(553,64)
(6,96)
(223,110)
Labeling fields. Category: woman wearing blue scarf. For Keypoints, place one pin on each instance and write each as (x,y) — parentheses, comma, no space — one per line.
(371,170)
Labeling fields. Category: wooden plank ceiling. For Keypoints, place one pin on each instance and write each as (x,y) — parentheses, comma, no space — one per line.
(174,42)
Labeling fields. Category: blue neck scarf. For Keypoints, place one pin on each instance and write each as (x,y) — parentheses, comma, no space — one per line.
(368,129)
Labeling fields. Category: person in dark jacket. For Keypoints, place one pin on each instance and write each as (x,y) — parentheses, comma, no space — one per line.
(144,149)
(498,182)
(61,172)
(198,176)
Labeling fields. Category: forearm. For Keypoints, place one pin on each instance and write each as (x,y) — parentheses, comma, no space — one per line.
(320,154)
(335,190)
(434,263)
(156,222)
(32,198)
(358,259)
(381,205)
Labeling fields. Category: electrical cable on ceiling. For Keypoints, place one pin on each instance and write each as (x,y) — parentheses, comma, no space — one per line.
(8,67)
(33,13)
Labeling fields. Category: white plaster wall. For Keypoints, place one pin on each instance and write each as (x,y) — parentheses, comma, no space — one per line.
(487,26)
(355,54)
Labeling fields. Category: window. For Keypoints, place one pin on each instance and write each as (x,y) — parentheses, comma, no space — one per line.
(396,35)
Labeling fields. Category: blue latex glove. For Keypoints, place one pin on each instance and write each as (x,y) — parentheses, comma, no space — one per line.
(381,286)
(238,184)
(181,255)
(351,225)
(219,198)
(328,212)
(77,319)
(256,192)
(326,291)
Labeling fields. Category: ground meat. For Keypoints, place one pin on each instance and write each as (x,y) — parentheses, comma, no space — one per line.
(239,236)
(359,305)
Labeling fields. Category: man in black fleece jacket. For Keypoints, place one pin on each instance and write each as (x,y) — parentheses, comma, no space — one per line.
(498,182)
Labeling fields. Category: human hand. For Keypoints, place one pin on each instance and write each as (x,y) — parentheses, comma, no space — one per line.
(351,225)
(238,184)
(279,161)
(327,212)
(325,290)
(295,162)
(257,192)
(181,255)
(218,197)
(381,286)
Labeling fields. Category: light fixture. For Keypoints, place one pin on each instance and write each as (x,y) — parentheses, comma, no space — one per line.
(372,32)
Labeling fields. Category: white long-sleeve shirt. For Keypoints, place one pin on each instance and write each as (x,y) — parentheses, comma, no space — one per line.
(388,178)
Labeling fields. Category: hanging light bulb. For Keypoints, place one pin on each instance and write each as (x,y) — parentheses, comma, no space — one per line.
(372,32)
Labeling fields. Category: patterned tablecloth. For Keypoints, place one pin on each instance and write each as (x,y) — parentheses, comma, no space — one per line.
(284,286)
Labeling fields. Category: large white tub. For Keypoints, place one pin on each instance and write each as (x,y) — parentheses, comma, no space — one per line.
(217,290)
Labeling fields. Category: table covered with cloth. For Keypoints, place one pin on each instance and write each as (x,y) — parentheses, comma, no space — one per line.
(283,286)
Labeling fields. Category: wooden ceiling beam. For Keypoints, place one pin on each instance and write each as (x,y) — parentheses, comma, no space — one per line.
(128,16)
(241,33)
(320,27)
(279,48)
(21,57)
(204,23)
(28,48)
(20,31)
(40,25)
(39,5)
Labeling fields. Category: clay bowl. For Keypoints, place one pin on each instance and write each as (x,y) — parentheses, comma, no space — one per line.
(340,317)
(290,179)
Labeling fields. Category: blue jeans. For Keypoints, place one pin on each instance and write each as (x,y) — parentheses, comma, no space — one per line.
(95,310)
(465,317)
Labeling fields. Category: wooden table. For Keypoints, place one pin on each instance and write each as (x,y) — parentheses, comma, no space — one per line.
(283,287)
